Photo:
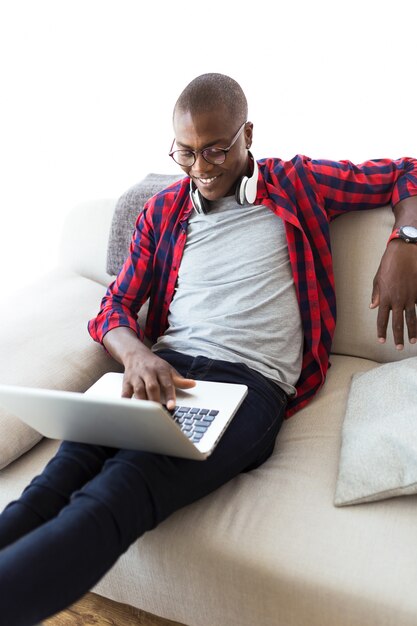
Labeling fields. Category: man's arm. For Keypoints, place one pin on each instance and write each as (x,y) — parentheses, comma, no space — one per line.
(146,376)
(395,283)
(345,187)
(127,294)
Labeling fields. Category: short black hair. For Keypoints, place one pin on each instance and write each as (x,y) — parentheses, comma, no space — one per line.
(210,91)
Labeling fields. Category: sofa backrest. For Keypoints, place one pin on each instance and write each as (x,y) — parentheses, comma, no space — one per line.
(358,242)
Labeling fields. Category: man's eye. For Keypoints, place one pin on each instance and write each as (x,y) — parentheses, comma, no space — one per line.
(213,151)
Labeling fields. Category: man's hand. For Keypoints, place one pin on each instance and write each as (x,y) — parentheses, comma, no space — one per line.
(395,290)
(147,376)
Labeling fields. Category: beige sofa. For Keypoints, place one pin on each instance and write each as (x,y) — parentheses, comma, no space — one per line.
(269,548)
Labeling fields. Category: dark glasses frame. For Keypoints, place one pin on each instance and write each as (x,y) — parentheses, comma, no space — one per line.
(216,160)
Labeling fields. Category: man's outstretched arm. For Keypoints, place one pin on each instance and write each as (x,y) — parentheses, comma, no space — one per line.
(345,187)
(395,283)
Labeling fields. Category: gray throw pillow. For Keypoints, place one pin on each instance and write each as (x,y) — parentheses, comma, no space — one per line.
(126,211)
(378,457)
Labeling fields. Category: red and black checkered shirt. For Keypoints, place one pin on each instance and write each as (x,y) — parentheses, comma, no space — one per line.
(306,194)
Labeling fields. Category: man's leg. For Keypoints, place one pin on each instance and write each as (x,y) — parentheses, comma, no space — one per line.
(58,562)
(69,470)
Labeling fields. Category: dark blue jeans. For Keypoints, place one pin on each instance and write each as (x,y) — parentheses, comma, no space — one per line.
(90,503)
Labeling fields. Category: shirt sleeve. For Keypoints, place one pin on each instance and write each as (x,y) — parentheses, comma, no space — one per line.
(344,186)
(130,290)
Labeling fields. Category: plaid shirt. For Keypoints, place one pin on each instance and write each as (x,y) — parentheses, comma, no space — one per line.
(307,194)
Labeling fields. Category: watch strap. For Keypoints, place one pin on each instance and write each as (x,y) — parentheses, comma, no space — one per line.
(394,235)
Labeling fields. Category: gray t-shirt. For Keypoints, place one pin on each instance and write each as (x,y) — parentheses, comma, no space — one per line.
(235,297)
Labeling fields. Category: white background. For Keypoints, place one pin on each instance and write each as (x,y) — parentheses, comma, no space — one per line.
(88,87)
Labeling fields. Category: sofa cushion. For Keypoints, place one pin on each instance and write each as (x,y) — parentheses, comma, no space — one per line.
(126,212)
(379,446)
(274,548)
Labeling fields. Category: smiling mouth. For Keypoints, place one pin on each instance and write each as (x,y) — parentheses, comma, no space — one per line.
(206,181)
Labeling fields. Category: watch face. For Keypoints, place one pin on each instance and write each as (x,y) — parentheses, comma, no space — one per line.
(409,231)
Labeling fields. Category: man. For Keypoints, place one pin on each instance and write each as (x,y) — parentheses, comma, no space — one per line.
(207,115)
(236,263)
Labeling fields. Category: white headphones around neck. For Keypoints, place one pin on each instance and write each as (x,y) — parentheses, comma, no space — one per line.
(245,190)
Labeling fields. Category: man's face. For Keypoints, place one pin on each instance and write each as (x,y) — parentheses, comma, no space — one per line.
(213,129)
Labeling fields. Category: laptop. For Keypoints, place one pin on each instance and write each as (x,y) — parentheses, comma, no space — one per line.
(101,416)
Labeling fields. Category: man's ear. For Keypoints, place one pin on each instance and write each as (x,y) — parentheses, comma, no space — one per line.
(248,134)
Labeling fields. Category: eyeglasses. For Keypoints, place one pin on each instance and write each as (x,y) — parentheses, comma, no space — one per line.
(215,156)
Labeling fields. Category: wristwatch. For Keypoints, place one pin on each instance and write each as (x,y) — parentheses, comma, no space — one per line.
(407,233)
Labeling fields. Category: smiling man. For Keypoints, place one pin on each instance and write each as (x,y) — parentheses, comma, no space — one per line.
(235,261)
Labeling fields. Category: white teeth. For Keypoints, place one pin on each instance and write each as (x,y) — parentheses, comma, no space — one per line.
(207,180)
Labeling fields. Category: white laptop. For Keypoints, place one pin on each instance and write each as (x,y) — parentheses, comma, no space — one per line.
(101,416)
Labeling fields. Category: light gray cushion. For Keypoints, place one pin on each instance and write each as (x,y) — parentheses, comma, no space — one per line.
(127,209)
(378,457)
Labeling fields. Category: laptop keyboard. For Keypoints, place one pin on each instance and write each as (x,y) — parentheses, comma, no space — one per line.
(194,421)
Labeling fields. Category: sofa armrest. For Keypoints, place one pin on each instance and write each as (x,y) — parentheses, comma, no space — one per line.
(45,343)
(84,241)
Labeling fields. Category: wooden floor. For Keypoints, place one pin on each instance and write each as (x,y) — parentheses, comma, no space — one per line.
(94,610)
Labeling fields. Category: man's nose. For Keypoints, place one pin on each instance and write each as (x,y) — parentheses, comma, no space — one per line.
(201,166)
